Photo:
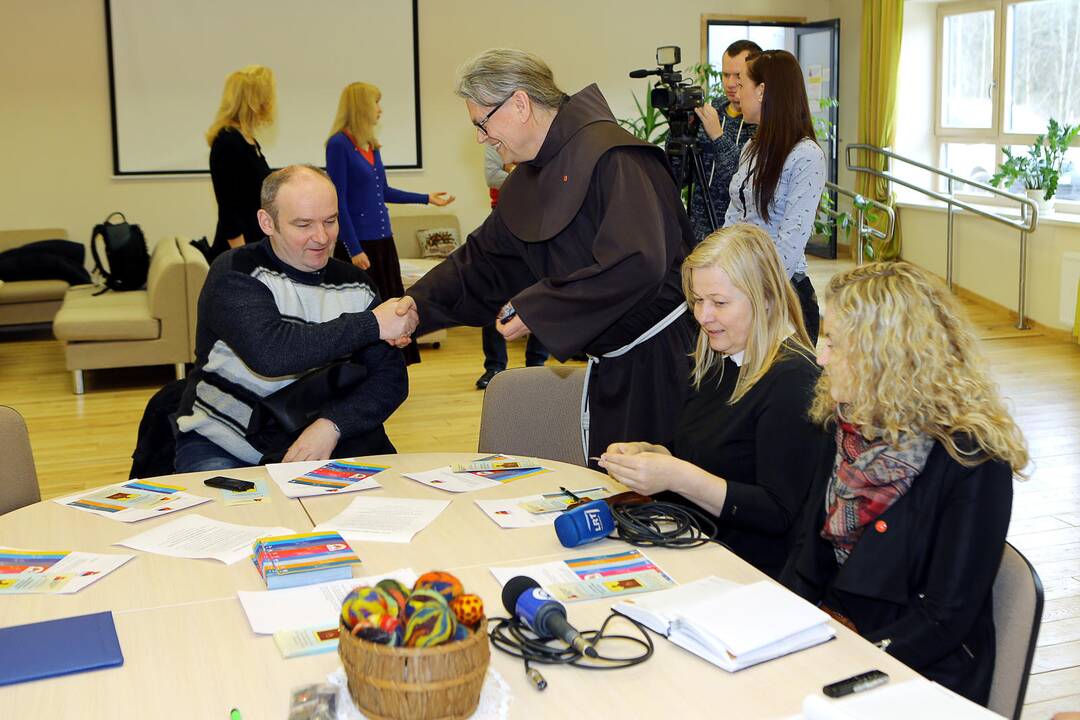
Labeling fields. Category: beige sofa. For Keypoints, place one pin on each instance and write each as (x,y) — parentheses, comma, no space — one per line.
(25,302)
(413,266)
(155,326)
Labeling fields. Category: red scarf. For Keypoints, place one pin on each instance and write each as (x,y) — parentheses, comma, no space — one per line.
(868,477)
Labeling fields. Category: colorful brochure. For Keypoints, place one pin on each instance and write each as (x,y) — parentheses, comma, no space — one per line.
(310,641)
(445,478)
(53,572)
(536,510)
(319,477)
(592,577)
(133,501)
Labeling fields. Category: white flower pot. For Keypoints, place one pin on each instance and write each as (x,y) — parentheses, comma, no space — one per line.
(1038,196)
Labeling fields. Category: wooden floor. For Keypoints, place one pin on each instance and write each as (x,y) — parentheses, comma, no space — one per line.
(86,441)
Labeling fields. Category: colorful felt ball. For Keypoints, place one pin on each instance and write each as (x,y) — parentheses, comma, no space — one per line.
(468,608)
(432,623)
(445,583)
(393,589)
(383,629)
(420,598)
(359,604)
(461,633)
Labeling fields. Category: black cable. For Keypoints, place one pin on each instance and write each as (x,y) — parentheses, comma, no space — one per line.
(514,638)
(663,524)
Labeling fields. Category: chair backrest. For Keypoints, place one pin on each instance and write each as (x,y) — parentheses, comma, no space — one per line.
(534,411)
(195,270)
(405,228)
(1018,606)
(11,239)
(18,478)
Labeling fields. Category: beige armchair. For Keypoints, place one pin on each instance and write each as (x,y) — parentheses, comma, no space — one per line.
(155,326)
(25,302)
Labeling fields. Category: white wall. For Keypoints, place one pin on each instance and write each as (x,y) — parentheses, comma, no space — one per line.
(55,137)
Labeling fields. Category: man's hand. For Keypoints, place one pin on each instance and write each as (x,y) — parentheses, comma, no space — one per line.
(317,442)
(397,319)
(710,120)
(513,329)
(440,199)
(361,260)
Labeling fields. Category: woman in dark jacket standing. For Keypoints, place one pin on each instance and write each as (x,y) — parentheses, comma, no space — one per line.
(237,165)
(906,525)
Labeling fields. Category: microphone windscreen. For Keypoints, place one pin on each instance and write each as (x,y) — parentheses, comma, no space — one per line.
(512,591)
(639,73)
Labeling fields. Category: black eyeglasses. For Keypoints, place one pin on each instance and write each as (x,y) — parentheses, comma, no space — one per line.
(482,124)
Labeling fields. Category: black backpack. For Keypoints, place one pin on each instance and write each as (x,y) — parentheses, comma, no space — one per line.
(125,249)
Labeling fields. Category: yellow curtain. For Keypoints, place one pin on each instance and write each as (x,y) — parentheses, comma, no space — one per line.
(883,23)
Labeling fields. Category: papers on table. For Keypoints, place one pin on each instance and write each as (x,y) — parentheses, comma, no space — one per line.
(732,626)
(133,501)
(588,578)
(445,479)
(899,701)
(383,519)
(310,606)
(535,510)
(319,477)
(46,571)
(195,536)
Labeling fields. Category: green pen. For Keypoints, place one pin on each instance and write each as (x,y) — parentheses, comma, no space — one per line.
(234,714)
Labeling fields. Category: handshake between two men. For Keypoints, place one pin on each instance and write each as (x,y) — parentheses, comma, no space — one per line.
(399,317)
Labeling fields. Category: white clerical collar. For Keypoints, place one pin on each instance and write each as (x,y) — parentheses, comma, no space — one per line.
(737,358)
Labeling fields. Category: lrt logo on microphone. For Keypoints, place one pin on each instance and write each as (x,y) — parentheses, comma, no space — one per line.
(594,521)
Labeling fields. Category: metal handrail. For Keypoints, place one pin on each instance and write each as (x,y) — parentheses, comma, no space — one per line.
(1029,211)
(862,230)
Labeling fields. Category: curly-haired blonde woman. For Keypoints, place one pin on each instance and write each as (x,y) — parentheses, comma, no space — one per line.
(745,450)
(237,165)
(906,524)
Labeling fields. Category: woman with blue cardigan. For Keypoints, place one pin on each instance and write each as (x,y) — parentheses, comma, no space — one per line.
(355,165)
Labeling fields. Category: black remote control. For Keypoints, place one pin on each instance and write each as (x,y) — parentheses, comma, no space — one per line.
(855,683)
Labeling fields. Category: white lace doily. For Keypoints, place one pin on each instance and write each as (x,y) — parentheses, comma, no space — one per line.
(494,697)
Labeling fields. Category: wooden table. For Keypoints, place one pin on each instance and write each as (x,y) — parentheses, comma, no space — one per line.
(190,653)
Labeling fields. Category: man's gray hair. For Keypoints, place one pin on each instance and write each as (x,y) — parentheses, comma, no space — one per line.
(494,75)
(279,179)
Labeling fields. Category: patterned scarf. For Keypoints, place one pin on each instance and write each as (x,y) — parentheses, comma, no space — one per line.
(868,477)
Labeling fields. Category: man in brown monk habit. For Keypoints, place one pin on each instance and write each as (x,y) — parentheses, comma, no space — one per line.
(583,249)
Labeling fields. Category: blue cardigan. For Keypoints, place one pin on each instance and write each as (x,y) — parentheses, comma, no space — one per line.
(362,194)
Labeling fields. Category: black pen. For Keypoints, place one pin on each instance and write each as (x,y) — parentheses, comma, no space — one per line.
(571,495)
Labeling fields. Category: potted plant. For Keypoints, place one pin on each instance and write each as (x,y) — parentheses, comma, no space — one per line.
(1038,170)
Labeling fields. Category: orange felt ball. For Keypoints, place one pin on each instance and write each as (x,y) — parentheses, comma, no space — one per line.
(468,608)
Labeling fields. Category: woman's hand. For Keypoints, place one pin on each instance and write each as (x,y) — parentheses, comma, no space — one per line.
(361,260)
(633,448)
(440,199)
(647,472)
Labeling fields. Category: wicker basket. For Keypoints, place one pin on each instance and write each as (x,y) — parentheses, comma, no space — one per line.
(394,683)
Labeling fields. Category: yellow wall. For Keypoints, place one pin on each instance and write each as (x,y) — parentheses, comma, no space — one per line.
(55,137)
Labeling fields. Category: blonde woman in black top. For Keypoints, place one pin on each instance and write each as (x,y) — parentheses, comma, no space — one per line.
(744,450)
(237,165)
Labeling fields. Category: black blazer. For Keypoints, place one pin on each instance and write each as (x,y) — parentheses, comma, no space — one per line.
(237,170)
(921,580)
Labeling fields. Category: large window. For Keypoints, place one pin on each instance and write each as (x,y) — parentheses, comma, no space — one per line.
(1005,67)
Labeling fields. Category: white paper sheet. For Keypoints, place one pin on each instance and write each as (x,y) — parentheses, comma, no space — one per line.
(69,575)
(909,699)
(308,606)
(383,519)
(282,473)
(168,503)
(509,513)
(195,536)
(445,479)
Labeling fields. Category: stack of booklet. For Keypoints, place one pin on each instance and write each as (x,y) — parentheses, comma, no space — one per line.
(732,626)
(303,559)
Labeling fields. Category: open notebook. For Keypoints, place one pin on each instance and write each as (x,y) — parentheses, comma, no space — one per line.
(732,626)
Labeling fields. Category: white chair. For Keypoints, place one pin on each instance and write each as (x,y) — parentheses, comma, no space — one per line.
(1018,607)
(18,478)
(534,411)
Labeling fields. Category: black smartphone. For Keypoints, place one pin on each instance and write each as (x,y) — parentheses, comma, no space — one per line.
(226,483)
(855,683)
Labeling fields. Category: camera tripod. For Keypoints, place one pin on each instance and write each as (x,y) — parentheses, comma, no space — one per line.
(684,148)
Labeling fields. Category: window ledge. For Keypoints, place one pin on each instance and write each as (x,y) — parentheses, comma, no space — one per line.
(1066,219)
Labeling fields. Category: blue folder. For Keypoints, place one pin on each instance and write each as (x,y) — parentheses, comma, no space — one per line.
(58,647)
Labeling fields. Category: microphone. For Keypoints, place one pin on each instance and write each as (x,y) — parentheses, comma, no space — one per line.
(526,600)
(642,73)
(585,524)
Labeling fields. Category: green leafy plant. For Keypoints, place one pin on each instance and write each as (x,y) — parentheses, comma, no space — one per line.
(650,124)
(1040,168)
